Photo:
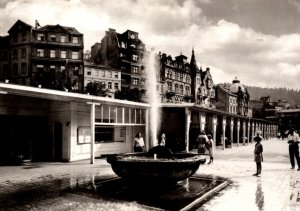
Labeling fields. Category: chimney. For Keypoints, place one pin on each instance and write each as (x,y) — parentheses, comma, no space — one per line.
(37,25)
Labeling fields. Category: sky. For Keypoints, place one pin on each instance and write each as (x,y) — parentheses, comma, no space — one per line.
(257,41)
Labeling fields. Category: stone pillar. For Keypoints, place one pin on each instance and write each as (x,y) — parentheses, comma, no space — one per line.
(214,124)
(147,133)
(243,132)
(202,121)
(187,128)
(231,130)
(223,131)
(253,130)
(238,131)
(248,131)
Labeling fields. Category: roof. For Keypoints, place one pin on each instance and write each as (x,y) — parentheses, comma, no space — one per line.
(66,29)
(19,26)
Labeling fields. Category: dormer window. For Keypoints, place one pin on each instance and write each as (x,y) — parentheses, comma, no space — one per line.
(132,36)
(40,37)
(52,38)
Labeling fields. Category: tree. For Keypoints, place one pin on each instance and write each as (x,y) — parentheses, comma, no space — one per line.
(96,88)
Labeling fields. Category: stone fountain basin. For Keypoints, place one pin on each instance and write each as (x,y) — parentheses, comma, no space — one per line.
(143,168)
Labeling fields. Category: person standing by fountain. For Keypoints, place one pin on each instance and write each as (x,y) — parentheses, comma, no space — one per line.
(258,156)
(202,140)
(139,144)
(209,147)
(162,140)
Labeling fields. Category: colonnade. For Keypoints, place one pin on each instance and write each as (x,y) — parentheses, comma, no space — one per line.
(239,130)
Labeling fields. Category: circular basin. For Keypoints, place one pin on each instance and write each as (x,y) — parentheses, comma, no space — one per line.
(143,167)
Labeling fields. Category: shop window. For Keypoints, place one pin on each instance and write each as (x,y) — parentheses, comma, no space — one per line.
(104,134)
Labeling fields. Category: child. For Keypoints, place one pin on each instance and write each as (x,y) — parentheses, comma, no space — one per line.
(258,156)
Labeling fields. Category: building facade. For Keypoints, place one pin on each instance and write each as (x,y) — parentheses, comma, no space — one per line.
(182,81)
(40,55)
(125,52)
(110,77)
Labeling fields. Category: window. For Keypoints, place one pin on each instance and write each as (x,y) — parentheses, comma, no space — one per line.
(23,36)
(15,69)
(76,70)
(52,53)
(15,54)
(75,55)
(109,85)
(23,53)
(134,69)
(63,38)
(181,89)
(116,75)
(62,68)
(40,37)
(187,90)
(123,44)
(63,54)
(135,81)
(133,46)
(75,40)
(169,86)
(23,68)
(176,88)
(181,77)
(53,38)
(40,52)
(135,57)
(15,38)
(52,68)
(104,134)
(88,72)
(132,36)
(102,73)
(176,76)
(109,74)
(116,86)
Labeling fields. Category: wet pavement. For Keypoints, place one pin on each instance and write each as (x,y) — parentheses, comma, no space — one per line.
(76,185)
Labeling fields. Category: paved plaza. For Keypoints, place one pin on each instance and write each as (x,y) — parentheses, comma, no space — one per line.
(42,186)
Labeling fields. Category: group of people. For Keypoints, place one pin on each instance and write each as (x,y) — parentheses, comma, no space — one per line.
(205,142)
(139,144)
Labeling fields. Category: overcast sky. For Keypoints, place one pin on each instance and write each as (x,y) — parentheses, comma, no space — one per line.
(257,41)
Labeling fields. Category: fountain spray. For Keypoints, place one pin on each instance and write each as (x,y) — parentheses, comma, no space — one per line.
(152,72)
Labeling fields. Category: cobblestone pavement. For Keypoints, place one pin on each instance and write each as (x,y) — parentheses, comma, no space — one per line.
(42,186)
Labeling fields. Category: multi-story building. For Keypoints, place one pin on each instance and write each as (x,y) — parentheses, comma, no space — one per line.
(234,98)
(125,52)
(109,76)
(37,55)
(226,100)
(183,81)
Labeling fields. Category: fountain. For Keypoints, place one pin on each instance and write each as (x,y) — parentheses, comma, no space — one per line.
(159,165)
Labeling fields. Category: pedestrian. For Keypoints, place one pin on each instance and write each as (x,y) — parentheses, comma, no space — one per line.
(209,147)
(258,154)
(139,144)
(162,140)
(201,141)
(293,141)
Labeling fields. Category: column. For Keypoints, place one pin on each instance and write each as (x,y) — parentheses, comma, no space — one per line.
(248,131)
(202,121)
(238,132)
(231,130)
(187,128)
(214,124)
(223,131)
(147,134)
(92,129)
(253,131)
(243,132)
